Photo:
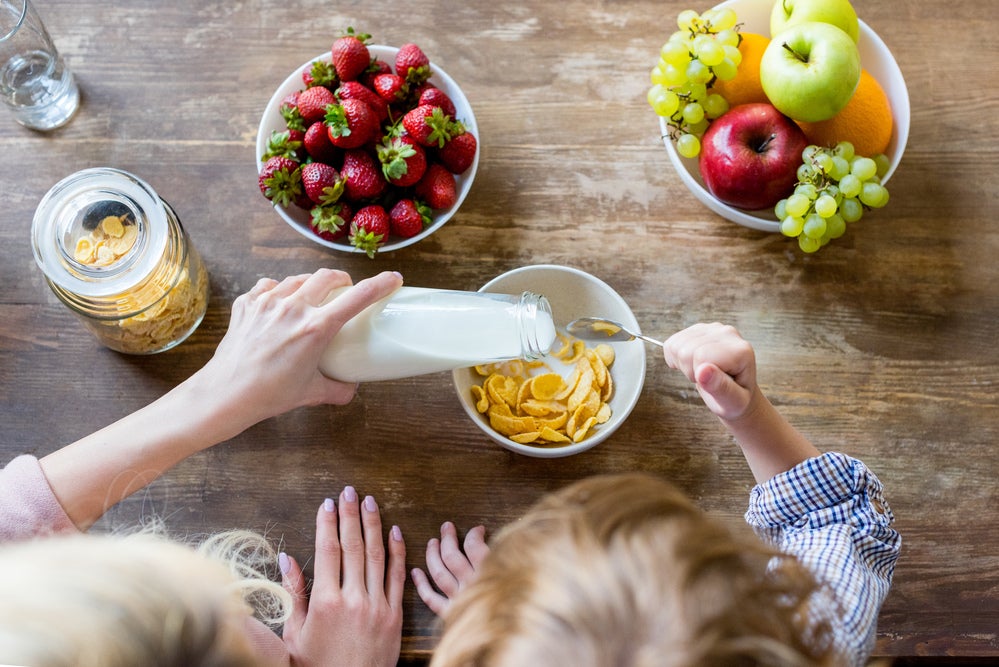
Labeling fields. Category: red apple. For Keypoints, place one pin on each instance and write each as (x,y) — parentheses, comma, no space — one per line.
(750,156)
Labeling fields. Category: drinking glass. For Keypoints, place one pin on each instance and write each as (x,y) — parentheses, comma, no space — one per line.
(35,83)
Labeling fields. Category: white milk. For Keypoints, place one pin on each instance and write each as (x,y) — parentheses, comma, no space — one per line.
(419,330)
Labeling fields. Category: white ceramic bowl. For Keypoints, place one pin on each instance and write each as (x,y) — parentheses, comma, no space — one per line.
(299,218)
(572,293)
(874,57)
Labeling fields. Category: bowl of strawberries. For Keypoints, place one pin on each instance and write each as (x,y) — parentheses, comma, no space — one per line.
(367,148)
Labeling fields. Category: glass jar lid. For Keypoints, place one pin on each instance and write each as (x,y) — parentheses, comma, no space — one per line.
(99,232)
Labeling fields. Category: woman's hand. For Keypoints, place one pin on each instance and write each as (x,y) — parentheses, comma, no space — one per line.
(451,569)
(354,614)
(268,361)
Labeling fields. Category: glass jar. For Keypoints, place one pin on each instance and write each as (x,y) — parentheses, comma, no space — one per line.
(117,255)
(418,330)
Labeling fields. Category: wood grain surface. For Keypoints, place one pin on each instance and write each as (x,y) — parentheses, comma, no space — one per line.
(883,345)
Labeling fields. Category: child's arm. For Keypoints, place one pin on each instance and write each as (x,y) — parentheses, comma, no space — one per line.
(266,364)
(722,366)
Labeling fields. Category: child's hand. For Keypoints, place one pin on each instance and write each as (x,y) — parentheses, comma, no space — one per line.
(450,568)
(354,614)
(719,362)
(268,361)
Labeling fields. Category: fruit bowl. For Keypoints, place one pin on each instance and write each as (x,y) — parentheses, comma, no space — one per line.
(298,218)
(572,293)
(875,57)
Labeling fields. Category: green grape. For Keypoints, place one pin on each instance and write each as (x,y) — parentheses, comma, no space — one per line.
(658,75)
(698,72)
(688,145)
(697,91)
(688,19)
(798,204)
(850,185)
(807,189)
(791,225)
(693,113)
(864,168)
(851,210)
(840,167)
(808,244)
(675,53)
(835,226)
(714,105)
(674,76)
(780,210)
(824,161)
(883,163)
(726,70)
(872,194)
(710,53)
(806,172)
(826,206)
(699,127)
(815,226)
(844,149)
(728,37)
(723,19)
(810,151)
(664,102)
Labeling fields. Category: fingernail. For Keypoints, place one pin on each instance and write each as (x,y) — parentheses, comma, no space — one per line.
(328,505)
(283,563)
(370,504)
(396,533)
(398,274)
(349,494)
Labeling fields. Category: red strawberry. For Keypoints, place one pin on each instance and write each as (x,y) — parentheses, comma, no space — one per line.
(281,180)
(312,103)
(438,98)
(369,229)
(428,125)
(377,66)
(289,112)
(412,64)
(437,187)
(351,123)
(408,218)
(350,55)
(321,73)
(459,153)
(390,87)
(362,176)
(317,143)
(332,221)
(321,182)
(354,90)
(284,143)
(403,161)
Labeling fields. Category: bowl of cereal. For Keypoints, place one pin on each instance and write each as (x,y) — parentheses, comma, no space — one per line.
(579,393)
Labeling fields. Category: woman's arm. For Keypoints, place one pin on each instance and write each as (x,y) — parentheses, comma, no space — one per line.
(265,365)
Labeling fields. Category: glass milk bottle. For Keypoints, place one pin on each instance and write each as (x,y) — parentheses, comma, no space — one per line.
(418,330)
(117,256)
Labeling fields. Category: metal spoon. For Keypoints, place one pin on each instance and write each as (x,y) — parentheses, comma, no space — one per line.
(598,328)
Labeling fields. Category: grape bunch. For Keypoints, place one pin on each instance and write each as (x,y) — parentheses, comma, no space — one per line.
(835,187)
(704,49)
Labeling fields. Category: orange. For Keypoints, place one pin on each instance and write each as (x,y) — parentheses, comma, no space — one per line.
(745,88)
(865,121)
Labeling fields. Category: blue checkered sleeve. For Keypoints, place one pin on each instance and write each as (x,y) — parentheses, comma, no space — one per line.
(830,512)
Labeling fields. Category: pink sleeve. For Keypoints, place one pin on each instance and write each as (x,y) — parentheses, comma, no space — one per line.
(27,505)
(267,645)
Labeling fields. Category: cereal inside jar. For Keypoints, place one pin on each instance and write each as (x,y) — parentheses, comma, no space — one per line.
(117,255)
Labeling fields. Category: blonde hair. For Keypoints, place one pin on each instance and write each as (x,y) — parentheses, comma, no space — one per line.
(141,599)
(624,570)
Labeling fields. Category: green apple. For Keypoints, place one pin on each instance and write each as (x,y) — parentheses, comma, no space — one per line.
(810,70)
(840,13)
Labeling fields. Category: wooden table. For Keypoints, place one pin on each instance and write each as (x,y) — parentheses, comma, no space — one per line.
(883,345)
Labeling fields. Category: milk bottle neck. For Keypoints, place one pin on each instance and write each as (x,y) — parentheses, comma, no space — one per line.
(534,341)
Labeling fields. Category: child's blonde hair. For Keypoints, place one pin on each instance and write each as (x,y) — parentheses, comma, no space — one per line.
(624,570)
(142,599)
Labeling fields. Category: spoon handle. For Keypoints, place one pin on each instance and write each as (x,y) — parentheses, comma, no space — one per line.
(658,343)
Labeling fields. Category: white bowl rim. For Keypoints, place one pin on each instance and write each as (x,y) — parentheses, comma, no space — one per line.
(764,220)
(620,413)
(440,78)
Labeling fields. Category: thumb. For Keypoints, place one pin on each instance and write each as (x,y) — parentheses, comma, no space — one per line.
(721,393)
